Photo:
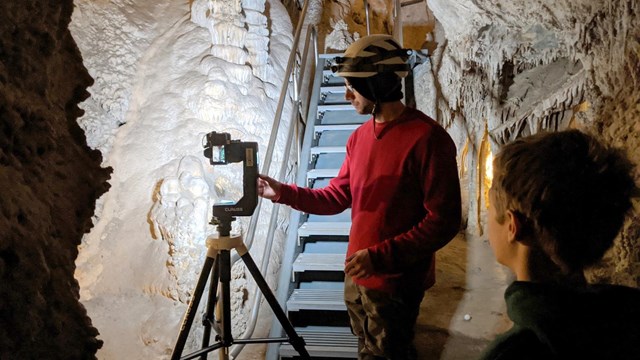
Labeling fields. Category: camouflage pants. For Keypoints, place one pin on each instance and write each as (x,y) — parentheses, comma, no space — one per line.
(384,323)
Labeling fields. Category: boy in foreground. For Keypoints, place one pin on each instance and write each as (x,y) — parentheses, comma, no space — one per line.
(557,202)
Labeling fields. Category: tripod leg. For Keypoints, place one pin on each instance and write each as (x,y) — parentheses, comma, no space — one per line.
(226,337)
(296,341)
(208,318)
(191,309)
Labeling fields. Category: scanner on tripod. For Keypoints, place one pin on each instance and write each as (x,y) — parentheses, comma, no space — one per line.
(221,150)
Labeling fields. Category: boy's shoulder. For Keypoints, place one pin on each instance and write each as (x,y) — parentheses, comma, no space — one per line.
(517,343)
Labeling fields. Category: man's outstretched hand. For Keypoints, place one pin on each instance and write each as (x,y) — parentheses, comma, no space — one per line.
(268,188)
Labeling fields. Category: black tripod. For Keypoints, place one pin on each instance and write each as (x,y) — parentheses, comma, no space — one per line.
(219,254)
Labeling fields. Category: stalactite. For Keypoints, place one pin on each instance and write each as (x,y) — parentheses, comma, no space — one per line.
(257,42)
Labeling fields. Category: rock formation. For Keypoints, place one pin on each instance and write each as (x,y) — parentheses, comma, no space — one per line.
(50,181)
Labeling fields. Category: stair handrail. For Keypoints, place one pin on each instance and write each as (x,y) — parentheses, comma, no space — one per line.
(274,129)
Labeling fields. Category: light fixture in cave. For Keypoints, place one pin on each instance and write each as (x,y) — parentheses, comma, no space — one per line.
(488,174)
(485,176)
(463,159)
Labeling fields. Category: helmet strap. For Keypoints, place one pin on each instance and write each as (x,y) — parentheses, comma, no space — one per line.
(375,99)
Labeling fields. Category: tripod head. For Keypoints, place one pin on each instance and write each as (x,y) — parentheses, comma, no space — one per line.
(221,150)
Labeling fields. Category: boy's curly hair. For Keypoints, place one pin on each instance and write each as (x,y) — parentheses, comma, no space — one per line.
(571,192)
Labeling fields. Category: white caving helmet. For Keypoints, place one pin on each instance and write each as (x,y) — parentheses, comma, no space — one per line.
(371,55)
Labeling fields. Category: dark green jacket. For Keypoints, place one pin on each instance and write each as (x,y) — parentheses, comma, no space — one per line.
(551,322)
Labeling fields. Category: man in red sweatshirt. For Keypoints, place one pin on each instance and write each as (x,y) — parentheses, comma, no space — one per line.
(400,179)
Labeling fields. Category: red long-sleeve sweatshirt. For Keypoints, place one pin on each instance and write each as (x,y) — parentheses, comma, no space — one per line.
(402,185)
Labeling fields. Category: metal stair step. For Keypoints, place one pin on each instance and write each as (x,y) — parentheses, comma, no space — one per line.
(326,71)
(318,262)
(328,149)
(321,128)
(334,88)
(324,228)
(333,138)
(316,299)
(332,80)
(325,341)
(339,114)
(322,173)
(335,107)
(332,95)
(344,216)
(328,160)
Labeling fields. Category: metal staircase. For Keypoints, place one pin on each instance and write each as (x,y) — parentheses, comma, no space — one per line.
(312,274)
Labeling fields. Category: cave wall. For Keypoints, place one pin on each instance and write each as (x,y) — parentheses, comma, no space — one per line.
(50,181)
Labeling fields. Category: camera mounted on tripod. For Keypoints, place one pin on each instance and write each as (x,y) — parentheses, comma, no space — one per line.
(221,150)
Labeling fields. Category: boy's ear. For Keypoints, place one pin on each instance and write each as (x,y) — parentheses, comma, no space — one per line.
(516,229)
(514,226)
